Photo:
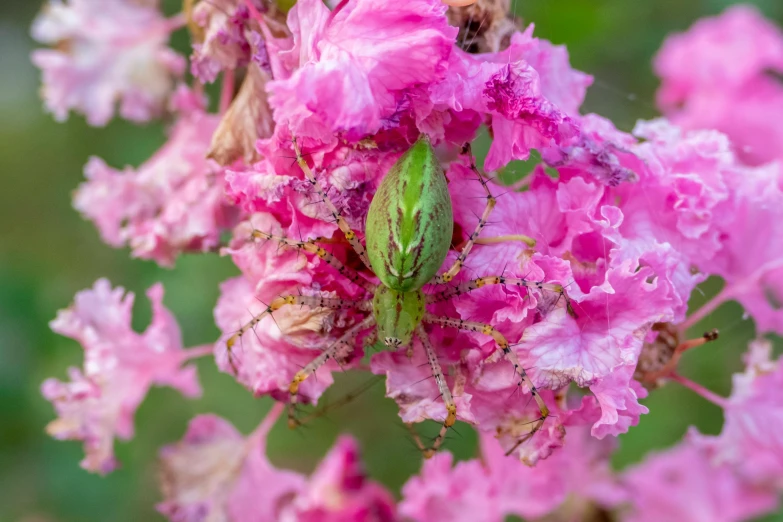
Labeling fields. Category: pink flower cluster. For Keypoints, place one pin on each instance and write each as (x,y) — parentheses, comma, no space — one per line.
(723,74)
(629,226)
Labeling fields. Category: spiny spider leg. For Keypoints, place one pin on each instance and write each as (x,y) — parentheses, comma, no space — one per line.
(473,284)
(503,346)
(350,235)
(348,340)
(443,388)
(313,248)
(279,302)
(449,274)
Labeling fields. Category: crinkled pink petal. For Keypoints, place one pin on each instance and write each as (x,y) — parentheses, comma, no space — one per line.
(678,195)
(442,493)
(599,150)
(108,53)
(277,185)
(607,333)
(600,347)
(504,486)
(618,397)
(682,484)
(362,57)
(119,367)
(172,203)
(214,473)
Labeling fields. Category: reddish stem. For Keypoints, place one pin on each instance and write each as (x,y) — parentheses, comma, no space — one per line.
(198,351)
(266,424)
(706,309)
(701,390)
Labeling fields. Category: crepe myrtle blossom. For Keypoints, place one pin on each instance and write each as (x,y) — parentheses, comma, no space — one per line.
(571,485)
(606,243)
(172,203)
(721,74)
(751,441)
(99,401)
(106,53)
(682,483)
(214,473)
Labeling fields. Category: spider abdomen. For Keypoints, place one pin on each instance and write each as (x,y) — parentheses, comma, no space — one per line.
(410,221)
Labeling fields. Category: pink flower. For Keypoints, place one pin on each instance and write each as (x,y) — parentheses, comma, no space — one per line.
(107,52)
(227,36)
(751,442)
(119,367)
(172,203)
(497,486)
(520,88)
(715,76)
(356,62)
(751,260)
(339,491)
(682,484)
(276,184)
(215,473)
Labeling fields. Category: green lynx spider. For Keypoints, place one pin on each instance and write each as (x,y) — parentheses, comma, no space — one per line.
(408,235)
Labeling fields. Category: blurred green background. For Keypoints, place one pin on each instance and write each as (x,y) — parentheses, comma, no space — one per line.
(47,254)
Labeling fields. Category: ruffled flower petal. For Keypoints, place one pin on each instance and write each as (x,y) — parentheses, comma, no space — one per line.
(120,365)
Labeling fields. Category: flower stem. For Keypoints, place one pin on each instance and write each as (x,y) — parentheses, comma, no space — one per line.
(198,351)
(269,420)
(706,309)
(701,390)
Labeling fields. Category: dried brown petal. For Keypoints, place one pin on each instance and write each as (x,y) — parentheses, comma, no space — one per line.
(248,119)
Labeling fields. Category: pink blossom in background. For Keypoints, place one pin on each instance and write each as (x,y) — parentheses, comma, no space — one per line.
(339,491)
(752,441)
(107,53)
(496,486)
(120,365)
(683,484)
(226,40)
(172,203)
(720,75)
(214,473)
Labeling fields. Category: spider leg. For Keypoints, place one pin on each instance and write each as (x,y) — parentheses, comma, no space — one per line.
(503,347)
(350,235)
(449,274)
(474,284)
(312,247)
(445,392)
(287,300)
(346,341)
